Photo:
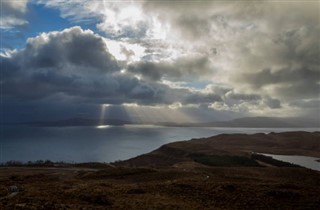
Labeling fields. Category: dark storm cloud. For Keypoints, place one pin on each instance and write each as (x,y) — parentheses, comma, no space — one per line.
(182,67)
(259,55)
(148,70)
(309,108)
(74,46)
(92,88)
(272,103)
(8,68)
(203,98)
(315,103)
(128,89)
(288,82)
(291,64)
(254,98)
(243,97)
(51,108)
(234,98)
(205,114)
(143,91)
(268,77)
(300,55)
(301,44)
(72,61)
(76,64)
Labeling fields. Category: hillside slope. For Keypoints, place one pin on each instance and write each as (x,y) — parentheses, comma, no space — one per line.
(238,145)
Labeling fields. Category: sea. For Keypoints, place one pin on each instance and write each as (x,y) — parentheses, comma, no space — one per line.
(101,143)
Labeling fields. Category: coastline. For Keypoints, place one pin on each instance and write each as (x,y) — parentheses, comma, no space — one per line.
(185,181)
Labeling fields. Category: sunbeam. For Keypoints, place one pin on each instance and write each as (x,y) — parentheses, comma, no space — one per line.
(155,114)
(102,116)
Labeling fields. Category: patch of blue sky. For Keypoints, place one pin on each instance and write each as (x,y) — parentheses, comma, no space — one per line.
(198,84)
(11,39)
(40,19)
(193,84)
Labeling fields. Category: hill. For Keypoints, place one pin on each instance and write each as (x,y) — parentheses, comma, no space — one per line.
(255,122)
(231,145)
(247,122)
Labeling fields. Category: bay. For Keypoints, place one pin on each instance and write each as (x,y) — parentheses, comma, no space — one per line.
(101,144)
(304,161)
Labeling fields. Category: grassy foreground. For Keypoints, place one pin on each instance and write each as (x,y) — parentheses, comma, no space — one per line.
(187,186)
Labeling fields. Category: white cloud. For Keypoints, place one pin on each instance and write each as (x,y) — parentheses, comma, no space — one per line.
(12,14)
(117,19)
(125,51)
(10,21)
(20,5)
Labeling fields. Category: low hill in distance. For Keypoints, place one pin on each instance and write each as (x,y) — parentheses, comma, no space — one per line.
(230,146)
(256,122)
(248,122)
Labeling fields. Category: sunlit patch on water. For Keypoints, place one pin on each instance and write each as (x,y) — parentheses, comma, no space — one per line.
(103,126)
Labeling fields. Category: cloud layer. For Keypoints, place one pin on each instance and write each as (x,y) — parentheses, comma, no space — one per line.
(12,14)
(250,58)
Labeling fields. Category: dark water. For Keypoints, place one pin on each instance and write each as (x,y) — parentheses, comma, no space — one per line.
(305,161)
(84,144)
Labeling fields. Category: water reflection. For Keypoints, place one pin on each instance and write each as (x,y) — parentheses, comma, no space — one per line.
(305,161)
(102,144)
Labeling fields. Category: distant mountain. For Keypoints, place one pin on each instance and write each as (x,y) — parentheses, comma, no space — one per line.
(225,149)
(78,122)
(254,122)
(268,122)
(247,122)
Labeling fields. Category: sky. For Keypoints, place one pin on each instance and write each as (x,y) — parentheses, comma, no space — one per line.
(158,60)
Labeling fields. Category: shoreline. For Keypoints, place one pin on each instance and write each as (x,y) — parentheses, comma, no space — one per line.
(194,174)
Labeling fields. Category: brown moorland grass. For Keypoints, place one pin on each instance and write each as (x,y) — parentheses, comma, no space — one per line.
(162,188)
